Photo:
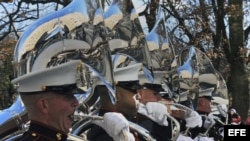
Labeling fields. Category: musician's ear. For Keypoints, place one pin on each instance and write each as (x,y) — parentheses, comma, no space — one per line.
(42,105)
(118,92)
(139,91)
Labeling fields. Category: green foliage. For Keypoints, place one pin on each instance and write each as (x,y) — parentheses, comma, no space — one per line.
(7,90)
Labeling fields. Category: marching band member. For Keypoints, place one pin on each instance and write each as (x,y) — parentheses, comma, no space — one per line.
(49,98)
(158,124)
(210,127)
(50,102)
(127,102)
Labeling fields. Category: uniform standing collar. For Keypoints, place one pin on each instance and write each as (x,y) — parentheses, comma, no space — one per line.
(39,129)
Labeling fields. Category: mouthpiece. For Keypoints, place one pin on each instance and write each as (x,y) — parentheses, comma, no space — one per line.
(80,116)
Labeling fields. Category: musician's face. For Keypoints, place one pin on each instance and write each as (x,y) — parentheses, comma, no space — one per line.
(148,95)
(60,111)
(127,102)
(204,105)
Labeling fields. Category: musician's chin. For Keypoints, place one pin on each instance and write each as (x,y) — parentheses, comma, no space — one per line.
(136,99)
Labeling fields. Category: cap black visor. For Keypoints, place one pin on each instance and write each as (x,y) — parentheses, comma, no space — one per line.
(132,86)
(62,89)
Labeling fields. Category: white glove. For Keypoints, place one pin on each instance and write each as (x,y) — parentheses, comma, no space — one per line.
(203,138)
(193,120)
(209,122)
(222,109)
(116,125)
(221,131)
(181,137)
(155,111)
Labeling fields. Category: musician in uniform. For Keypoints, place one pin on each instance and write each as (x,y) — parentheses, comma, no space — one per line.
(48,96)
(150,96)
(210,127)
(126,94)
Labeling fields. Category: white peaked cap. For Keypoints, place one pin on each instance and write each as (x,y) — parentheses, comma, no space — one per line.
(157,84)
(62,75)
(206,92)
(158,77)
(128,73)
(187,74)
(220,100)
(183,96)
(208,78)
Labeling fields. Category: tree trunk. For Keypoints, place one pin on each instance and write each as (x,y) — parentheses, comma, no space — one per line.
(238,85)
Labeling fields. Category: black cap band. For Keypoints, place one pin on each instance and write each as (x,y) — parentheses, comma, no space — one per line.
(156,87)
(132,86)
(62,89)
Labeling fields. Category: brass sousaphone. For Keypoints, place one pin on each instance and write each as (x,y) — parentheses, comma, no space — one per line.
(126,43)
(129,44)
(196,72)
(75,32)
